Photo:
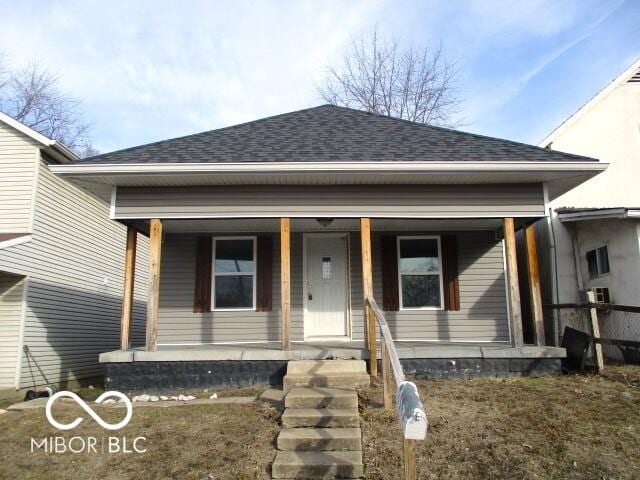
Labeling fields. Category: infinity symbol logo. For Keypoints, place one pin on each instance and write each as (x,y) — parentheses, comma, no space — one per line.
(87,408)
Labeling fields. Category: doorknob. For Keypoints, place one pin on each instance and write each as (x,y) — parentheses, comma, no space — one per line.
(310,297)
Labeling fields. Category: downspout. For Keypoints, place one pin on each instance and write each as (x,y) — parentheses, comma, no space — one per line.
(576,259)
(555,293)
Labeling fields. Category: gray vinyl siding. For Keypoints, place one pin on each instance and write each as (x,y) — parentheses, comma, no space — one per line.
(482,318)
(177,324)
(75,264)
(11,287)
(517,200)
(483,305)
(18,161)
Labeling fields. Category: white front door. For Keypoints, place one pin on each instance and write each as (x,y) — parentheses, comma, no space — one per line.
(326,290)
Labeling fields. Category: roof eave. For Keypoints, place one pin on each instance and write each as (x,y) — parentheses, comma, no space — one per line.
(55,149)
(61,153)
(598,214)
(559,177)
(171,169)
(574,215)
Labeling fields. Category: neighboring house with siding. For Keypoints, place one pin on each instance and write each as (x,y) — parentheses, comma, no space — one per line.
(61,276)
(257,233)
(595,226)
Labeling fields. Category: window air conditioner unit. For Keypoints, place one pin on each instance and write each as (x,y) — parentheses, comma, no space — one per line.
(601,294)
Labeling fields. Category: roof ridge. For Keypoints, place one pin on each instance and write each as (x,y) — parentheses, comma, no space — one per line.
(337,107)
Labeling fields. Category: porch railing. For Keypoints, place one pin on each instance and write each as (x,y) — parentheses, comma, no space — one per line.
(413,418)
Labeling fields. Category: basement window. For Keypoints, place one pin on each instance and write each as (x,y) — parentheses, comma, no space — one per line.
(598,261)
(420,273)
(234,273)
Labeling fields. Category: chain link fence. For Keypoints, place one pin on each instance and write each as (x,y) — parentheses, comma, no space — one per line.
(612,329)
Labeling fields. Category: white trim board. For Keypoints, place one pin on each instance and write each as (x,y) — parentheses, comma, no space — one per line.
(112,203)
(399,239)
(53,147)
(253,274)
(407,168)
(16,241)
(23,321)
(34,193)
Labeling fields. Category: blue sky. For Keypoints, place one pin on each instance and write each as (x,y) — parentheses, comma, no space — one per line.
(148,70)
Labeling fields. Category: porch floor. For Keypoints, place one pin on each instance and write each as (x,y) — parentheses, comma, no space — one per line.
(316,351)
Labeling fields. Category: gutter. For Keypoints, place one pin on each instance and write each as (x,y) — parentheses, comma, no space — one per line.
(61,153)
(600,214)
(81,169)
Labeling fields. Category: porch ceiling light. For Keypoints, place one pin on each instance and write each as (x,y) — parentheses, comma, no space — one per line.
(325,222)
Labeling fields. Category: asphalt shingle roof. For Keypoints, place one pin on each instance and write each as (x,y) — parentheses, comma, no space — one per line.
(331,134)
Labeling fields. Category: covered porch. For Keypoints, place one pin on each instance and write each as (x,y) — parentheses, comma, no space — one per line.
(292,230)
(472,312)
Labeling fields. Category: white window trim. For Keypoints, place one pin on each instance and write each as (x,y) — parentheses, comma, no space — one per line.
(254,274)
(439,273)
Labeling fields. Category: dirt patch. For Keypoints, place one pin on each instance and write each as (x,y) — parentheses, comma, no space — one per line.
(552,427)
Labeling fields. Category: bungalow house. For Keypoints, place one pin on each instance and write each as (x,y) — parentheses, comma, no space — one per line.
(61,276)
(594,229)
(266,239)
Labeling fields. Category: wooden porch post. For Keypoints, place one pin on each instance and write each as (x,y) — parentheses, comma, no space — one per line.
(367,289)
(534,284)
(512,281)
(285,281)
(155,254)
(127,295)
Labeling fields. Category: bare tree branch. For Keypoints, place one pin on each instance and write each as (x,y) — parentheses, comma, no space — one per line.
(32,96)
(416,84)
(4,71)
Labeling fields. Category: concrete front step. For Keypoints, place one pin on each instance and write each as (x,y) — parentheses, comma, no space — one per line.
(329,381)
(319,397)
(317,465)
(326,367)
(320,417)
(320,439)
(326,373)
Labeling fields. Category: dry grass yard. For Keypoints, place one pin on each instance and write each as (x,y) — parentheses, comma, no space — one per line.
(582,427)
(578,427)
(186,442)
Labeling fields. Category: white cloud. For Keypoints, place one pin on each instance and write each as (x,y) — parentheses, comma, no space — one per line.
(148,70)
(174,68)
(532,21)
